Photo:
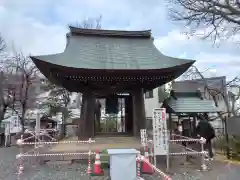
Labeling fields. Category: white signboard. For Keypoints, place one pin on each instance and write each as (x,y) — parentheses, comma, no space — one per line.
(160,132)
(15,124)
(143,133)
(7,129)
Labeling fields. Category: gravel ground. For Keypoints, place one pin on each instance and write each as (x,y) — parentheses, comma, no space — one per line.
(8,168)
(219,171)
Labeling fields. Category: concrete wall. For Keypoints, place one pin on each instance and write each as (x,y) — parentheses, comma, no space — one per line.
(151,103)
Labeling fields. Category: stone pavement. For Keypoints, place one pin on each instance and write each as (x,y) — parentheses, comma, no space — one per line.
(219,170)
(100,143)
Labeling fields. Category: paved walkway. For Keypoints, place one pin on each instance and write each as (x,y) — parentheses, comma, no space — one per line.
(218,171)
(100,143)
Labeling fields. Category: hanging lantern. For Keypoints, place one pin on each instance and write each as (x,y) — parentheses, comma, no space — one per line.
(112,104)
(180,128)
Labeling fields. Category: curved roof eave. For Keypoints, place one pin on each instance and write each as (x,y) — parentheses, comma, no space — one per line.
(52,60)
(48,68)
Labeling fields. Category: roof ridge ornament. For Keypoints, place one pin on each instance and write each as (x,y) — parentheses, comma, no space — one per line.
(103,32)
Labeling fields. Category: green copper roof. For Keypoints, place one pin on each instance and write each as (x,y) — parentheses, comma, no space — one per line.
(104,49)
(190,103)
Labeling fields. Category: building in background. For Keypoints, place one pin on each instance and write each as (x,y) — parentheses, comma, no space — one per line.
(234,98)
(154,99)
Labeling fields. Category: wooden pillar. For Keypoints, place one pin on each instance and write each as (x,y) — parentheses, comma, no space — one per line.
(90,115)
(80,129)
(86,123)
(194,126)
(139,117)
(97,126)
(129,114)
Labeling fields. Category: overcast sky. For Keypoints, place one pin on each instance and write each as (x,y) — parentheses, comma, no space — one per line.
(39,27)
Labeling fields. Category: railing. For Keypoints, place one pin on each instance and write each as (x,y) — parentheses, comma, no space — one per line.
(186,143)
(32,153)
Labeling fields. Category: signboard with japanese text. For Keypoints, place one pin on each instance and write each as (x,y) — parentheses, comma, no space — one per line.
(15,124)
(160,132)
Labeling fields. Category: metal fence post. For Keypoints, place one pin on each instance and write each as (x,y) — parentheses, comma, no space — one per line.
(203,165)
(167,156)
(20,156)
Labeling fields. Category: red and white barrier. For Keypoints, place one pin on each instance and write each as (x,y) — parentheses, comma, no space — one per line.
(161,173)
(21,142)
(138,166)
(51,154)
(188,153)
(20,157)
(182,139)
(185,140)
(89,169)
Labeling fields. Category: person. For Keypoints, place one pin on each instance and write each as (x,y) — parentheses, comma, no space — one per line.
(204,129)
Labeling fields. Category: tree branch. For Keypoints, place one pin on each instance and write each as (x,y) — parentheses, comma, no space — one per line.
(90,23)
(3,45)
(219,19)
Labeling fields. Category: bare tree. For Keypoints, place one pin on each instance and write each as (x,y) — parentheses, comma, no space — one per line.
(7,92)
(26,73)
(3,45)
(7,89)
(90,23)
(214,19)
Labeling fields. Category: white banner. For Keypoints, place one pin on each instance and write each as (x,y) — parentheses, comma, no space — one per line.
(160,132)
